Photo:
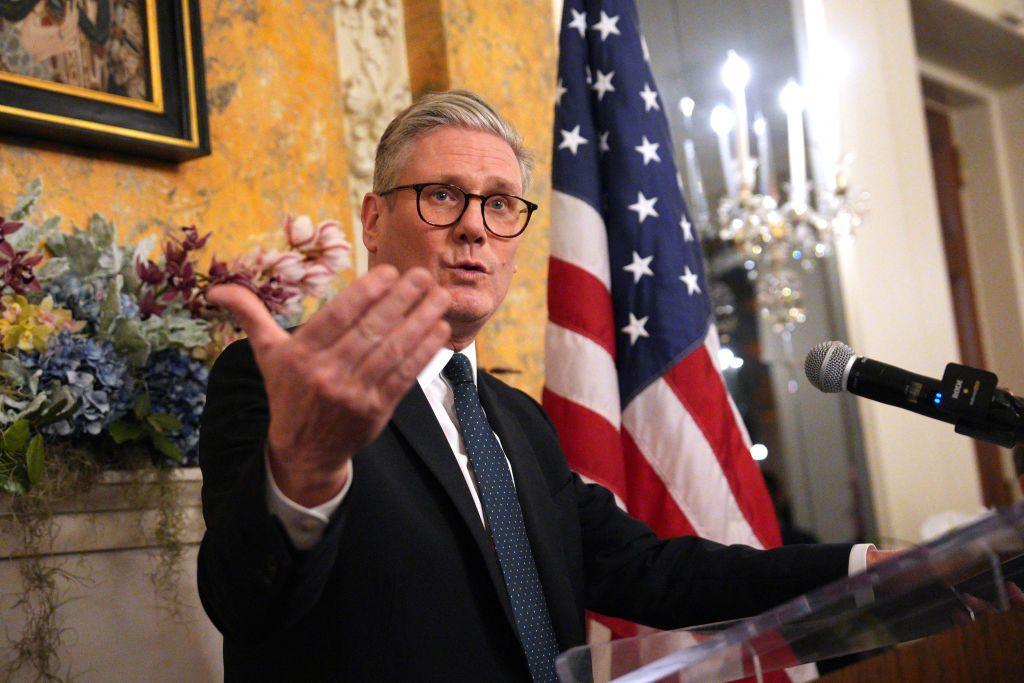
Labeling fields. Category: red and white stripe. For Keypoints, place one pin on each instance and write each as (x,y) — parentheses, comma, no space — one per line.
(678,457)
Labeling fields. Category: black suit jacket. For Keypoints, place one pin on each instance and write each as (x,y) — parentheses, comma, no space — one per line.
(405,584)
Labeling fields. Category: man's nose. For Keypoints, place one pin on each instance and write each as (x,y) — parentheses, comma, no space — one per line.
(470,228)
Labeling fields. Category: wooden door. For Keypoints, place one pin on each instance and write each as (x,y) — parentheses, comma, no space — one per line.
(946,168)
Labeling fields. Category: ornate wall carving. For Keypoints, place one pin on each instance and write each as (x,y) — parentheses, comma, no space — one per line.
(374,87)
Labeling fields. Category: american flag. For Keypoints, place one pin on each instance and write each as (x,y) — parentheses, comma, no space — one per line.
(632,381)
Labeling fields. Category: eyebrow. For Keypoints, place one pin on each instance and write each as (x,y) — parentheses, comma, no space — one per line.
(496,183)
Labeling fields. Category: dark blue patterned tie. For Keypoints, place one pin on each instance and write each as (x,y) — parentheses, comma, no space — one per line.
(505,521)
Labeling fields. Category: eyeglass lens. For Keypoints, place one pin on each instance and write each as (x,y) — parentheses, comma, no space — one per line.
(443,204)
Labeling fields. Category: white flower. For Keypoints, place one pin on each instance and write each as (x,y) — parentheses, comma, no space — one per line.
(300,231)
(318,276)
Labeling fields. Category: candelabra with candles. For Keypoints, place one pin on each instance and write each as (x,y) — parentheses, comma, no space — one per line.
(777,240)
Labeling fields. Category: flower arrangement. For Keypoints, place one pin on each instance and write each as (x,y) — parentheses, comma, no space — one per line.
(102,346)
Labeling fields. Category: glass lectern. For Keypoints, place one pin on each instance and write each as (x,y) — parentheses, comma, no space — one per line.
(931,588)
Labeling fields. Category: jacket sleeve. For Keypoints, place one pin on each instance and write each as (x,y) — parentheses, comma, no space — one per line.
(672,583)
(252,582)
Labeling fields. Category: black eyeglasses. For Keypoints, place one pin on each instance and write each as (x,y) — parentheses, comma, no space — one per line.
(441,205)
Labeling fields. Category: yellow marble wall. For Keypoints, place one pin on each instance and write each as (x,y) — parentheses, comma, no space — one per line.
(276,134)
(506,51)
(276,126)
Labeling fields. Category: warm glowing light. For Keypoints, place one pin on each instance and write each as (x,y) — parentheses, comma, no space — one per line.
(791,99)
(722,120)
(686,106)
(735,72)
(727,360)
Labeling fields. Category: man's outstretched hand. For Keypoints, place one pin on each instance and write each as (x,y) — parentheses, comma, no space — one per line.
(335,382)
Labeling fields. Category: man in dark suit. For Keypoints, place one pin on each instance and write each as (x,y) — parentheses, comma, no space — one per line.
(376,508)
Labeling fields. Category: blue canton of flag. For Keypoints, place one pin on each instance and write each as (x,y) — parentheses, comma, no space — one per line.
(613,151)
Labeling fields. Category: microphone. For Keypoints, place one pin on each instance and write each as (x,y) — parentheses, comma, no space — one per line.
(965,397)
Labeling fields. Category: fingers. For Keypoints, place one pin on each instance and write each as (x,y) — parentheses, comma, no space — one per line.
(400,348)
(250,314)
(372,332)
(1015,594)
(334,320)
(396,383)
(976,605)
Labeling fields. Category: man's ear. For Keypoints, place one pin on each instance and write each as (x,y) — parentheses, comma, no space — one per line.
(370,214)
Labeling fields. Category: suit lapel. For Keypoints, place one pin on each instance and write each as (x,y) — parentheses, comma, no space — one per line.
(415,419)
(539,512)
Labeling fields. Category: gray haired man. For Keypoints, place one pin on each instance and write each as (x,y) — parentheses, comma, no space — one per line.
(379,508)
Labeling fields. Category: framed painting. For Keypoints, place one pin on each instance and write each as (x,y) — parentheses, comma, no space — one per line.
(120,75)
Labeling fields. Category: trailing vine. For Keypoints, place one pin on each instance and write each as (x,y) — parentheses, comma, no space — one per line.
(29,525)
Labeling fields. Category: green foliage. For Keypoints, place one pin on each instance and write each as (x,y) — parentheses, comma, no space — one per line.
(146,424)
(25,202)
(21,458)
(21,397)
(31,233)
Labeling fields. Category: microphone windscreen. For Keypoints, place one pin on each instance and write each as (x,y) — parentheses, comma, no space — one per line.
(825,365)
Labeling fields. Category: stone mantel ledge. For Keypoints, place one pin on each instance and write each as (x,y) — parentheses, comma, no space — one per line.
(118,513)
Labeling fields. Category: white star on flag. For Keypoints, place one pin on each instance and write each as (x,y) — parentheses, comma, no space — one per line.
(690,279)
(644,207)
(643,46)
(603,84)
(606,26)
(560,90)
(635,329)
(649,150)
(571,140)
(602,142)
(687,227)
(579,22)
(650,98)
(639,267)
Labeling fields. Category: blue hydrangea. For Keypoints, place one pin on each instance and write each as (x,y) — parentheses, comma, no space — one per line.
(82,297)
(99,378)
(129,307)
(177,386)
(85,297)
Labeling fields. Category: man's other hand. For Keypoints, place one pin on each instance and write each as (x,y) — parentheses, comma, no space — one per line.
(333,385)
(875,556)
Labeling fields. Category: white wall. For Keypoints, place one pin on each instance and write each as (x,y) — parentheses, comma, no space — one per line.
(117,627)
(117,630)
(893,277)
(993,237)
(1010,103)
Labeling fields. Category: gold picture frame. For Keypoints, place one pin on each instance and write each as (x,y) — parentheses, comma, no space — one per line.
(164,115)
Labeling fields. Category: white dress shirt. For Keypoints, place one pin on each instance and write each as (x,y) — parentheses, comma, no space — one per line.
(305,526)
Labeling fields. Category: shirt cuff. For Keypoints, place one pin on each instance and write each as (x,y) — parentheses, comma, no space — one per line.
(305,526)
(859,563)
(859,558)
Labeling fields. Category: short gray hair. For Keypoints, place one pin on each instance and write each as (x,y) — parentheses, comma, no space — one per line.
(457,108)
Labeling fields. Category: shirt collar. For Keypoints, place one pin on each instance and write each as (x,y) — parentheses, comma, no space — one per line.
(433,369)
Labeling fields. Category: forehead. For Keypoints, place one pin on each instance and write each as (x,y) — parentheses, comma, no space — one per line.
(474,159)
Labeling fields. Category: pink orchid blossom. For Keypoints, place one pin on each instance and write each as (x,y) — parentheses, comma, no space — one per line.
(300,231)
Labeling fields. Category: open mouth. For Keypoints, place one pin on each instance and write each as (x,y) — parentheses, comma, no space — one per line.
(469,267)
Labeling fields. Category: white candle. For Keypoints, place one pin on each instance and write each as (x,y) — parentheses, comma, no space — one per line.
(722,122)
(792,101)
(764,155)
(694,181)
(736,76)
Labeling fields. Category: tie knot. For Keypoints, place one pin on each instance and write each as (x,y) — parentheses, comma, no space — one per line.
(458,370)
